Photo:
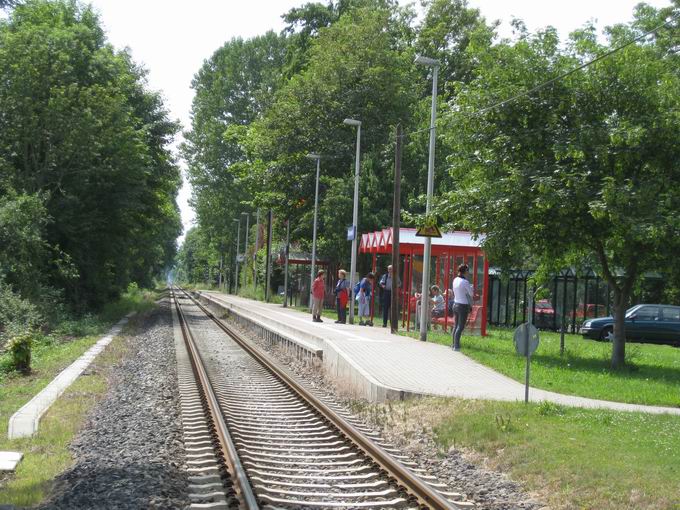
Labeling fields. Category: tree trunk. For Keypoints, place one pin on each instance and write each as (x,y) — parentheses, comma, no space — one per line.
(619,345)
(622,290)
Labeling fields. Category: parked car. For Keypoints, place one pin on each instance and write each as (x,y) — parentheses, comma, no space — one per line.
(590,311)
(644,323)
(544,314)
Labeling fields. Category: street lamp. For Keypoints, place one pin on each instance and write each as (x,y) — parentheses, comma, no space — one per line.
(424,307)
(245,249)
(316,207)
(355,216)
(238,241)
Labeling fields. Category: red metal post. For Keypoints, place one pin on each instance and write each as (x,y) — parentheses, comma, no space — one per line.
(447,277)
(408,296)
(404,292)
(486,294)
(375,282)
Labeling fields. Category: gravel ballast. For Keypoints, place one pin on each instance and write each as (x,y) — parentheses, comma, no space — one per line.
(488,489)
(130,453)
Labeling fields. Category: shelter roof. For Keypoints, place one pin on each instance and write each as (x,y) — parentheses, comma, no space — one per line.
(300,258)
(380,241)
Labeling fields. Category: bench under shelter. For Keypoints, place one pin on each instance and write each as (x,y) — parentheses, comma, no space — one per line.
(449,251)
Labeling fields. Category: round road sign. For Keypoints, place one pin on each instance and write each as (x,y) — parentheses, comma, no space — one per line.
(526,333)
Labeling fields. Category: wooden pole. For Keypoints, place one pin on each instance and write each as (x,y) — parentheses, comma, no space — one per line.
(285,275)
(396,215)
(269,256)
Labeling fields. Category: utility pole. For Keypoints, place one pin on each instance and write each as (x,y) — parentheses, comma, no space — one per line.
(257,243)
(238,242)
(285,275)
(269,256)
(219,279)
(396,215)
(245,249)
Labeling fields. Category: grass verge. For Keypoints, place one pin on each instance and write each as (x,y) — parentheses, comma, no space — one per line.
(651,377)
(574,458)
(46,454)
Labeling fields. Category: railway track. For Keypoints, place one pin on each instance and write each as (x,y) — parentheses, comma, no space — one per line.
(277,444)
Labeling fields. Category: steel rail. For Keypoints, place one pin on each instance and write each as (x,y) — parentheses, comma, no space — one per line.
(416,487)
(240,481)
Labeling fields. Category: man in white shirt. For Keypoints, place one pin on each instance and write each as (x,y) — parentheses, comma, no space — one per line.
(462,303)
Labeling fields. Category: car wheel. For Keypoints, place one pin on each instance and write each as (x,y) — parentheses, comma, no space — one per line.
(607,334)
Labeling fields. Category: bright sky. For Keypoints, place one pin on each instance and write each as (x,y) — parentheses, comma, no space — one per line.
(172,38)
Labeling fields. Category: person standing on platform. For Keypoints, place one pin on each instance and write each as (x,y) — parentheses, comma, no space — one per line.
(318,291)
(341,296)
(386,286)
(364,299)
(462,303)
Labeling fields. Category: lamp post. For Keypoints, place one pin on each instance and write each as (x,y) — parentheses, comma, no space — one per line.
(238,242)
(245,248)
(316,208)
(424,307)
(355,216)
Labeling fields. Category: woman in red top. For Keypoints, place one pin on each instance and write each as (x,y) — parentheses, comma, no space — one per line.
(318,290)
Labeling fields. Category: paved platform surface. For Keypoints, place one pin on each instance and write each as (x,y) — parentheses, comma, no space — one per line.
(412,366)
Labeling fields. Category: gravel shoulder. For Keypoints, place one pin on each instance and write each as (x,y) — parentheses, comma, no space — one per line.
(130,453)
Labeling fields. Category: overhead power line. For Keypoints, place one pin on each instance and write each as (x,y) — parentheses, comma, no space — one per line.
(559,77)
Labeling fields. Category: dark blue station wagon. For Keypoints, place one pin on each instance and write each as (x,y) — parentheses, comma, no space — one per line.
(644,323)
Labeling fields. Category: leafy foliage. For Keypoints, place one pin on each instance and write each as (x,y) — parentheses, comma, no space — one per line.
(16,314)
(88,186)
(19,349)
(575,173)
(579,168)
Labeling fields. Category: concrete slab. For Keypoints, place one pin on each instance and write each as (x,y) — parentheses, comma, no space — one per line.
(25,421)
(372,363)
(9,460)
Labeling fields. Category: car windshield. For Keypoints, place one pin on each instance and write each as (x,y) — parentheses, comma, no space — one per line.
(632,309)
(543,306)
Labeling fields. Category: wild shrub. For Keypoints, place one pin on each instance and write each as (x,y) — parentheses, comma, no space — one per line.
(547,408)
(17,315)
(19,350)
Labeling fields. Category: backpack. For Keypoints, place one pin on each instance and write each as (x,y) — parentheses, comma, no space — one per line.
(357,287)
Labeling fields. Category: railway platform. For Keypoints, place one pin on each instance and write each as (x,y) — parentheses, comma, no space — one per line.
(372,363)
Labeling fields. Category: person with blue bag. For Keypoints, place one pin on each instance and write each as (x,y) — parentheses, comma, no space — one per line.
(363,291)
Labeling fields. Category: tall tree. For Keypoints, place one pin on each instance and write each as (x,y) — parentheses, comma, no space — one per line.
(233,88)
(355,70)
(80,128)
(581,167)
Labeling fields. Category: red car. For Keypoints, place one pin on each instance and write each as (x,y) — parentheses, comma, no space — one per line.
(590,311)
(544,314)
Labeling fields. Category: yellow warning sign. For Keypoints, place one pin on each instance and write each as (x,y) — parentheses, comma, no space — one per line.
(429,231)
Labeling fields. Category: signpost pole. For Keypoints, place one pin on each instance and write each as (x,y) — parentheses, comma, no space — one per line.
(526,374)
(526,342)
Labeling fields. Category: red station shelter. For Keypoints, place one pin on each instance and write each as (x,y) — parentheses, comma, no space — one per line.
(449,251)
